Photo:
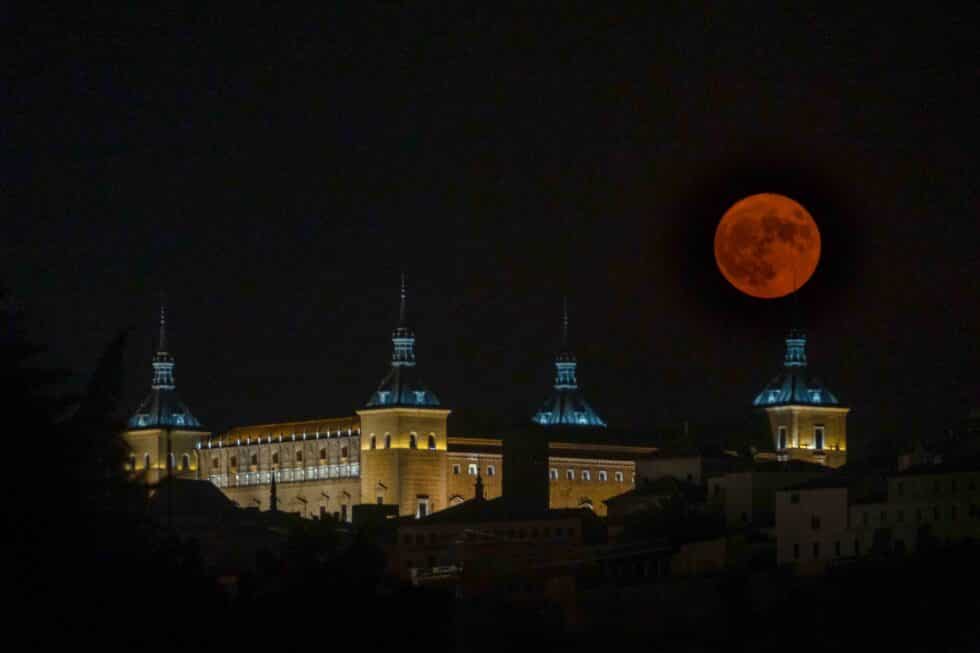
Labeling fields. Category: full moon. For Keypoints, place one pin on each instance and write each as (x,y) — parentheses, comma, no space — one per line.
(767,245)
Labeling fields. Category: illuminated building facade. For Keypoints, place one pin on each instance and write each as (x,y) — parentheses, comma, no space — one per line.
(163,436)
(807,420)
(394,451)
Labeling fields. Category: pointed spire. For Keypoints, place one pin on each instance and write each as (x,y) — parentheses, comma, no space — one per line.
(401,306)
(565,361)
(163,362)
(162,347)
(564,323)
(402,340)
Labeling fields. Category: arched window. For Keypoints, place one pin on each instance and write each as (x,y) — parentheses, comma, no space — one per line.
(299,455)
(343,452)
(471,469)
(491,470)
(412,443)
(570,474)
(275,457)
(172,461)
(585,502)
(255,459)
(586,475)
(185,462)
(553,473)
(618,476)
(432,441)
(603,476)
(215,464)
(374,442)
(146,461)
(323,454)
(233,461)
(387,440)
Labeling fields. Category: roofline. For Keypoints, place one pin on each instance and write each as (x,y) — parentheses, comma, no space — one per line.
(320,420)
(414,409)
(784,407)
(167,427)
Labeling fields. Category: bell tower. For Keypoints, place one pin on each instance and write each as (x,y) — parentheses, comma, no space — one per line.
(807,420)
(163,434)
(403,434)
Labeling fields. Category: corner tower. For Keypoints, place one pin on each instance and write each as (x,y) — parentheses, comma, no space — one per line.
(163,434)
(403,433)
(807,420)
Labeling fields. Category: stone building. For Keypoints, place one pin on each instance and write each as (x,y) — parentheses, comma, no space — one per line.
(807,420)
(163,436)
(395,450)
(863,509)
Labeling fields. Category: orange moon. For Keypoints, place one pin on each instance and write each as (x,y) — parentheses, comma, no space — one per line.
(767,245)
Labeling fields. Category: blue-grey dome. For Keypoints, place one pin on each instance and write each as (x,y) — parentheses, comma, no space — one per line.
(566,405)
(402,386)
(793,386)
(162,407)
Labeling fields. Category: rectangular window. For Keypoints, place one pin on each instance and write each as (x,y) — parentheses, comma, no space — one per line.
(554,474)
(782,437)
(471,469)
(586,475)
(456,470)
(619,477)
(570,475)
(818,433)
(491,470)
(603,476)
(423,507)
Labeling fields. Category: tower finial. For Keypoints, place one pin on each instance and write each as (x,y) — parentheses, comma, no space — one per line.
(163,324)
(564,322)
(401,306)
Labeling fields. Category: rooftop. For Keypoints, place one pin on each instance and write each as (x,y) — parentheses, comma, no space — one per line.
(793,386)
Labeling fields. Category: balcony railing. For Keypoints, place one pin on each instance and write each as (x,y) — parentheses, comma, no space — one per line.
(287,475)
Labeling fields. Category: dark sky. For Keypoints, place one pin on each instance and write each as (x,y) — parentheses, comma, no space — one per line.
(274,171)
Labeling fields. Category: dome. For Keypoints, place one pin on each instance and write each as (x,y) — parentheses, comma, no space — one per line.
(793,386)
(566,405)
(402,386)
(162,407)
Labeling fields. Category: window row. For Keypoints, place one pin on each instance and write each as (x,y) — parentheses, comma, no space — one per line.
(586,475)
(254,458)
(286,475)
(472,469)
(818,442)
(185,462)
(920,515)
(413,441)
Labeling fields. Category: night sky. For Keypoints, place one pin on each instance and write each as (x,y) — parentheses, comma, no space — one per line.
(273,173)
